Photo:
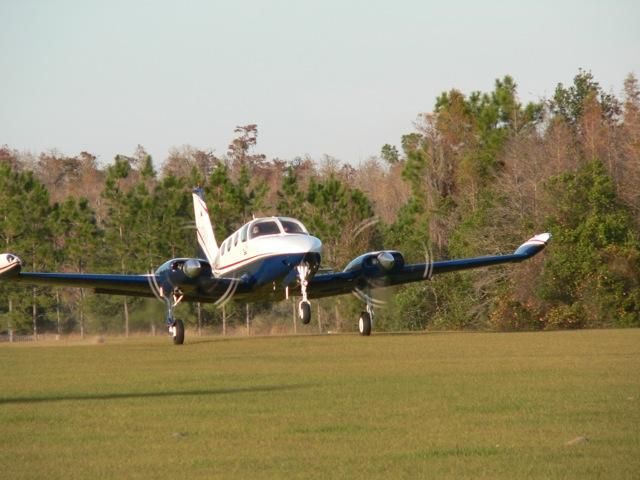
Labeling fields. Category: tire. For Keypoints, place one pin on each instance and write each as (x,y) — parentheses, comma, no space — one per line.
(305,312)
(178,338)
(364,324)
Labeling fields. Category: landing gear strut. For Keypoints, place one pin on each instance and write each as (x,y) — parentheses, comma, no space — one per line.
(304,307)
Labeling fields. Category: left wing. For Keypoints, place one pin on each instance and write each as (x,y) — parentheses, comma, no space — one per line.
(387,268)
(159,284)
(135,285)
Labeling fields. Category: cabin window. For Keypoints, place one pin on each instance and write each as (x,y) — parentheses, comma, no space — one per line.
(229,245)
(235,239)
(290,226)
(222,248)
(268,227)
(243,233)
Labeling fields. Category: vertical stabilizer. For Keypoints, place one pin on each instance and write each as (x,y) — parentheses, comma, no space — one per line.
(206,238)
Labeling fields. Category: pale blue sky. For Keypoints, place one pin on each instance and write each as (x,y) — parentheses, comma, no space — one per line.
(323,77)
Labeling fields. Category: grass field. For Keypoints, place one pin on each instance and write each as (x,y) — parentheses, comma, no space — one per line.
(442,405)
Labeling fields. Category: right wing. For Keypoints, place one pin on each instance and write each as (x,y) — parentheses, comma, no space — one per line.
(371,274)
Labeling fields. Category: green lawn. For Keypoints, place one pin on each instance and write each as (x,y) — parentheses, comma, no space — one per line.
(441,405)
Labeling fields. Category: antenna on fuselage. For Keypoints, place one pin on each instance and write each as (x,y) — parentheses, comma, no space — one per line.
(206,238)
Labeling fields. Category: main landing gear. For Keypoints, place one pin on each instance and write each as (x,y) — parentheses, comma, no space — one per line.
(176,326)
(177,332)
(365,321)
(304,307)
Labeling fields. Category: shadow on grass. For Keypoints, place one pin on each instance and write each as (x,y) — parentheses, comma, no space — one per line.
(134,395)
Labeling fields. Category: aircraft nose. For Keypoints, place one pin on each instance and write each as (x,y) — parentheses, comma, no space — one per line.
(315,245)
(306,243)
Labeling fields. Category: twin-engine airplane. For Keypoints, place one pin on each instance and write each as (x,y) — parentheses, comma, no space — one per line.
(268,259)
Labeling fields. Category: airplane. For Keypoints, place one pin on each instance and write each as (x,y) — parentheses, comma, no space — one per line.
(267,259)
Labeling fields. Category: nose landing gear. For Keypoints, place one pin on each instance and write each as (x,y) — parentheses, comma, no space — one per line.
(304,307)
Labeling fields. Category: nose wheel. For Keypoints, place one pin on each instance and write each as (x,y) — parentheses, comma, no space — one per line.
(304,311)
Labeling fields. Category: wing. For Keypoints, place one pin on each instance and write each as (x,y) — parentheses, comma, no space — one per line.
(203,289)
(134,285)
(369,271)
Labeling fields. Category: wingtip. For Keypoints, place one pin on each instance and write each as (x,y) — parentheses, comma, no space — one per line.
(10,265)
(542,237)
(534,245)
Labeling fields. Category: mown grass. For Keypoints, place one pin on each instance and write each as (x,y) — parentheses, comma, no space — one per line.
(388,406)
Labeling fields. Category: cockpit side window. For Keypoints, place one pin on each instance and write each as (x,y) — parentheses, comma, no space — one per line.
(291,226)
(243,233)
(268,227)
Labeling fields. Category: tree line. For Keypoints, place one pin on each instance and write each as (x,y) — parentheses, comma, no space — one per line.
(479,174)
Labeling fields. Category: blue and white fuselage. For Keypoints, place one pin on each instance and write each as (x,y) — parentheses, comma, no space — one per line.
(266,250)
(263,252)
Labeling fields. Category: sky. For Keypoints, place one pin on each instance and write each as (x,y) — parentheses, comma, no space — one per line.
(334,77)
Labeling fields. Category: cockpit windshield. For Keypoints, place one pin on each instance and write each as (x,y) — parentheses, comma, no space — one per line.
(291,226)
(273,226)
(265,227)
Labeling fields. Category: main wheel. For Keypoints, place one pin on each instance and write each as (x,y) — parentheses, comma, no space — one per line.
(364,324)
(178,333)
(305,312)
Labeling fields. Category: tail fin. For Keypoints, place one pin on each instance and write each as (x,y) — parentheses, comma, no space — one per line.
(206,238)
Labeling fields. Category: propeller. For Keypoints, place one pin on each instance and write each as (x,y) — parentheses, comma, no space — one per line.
(153,285)
(233,284)
(363,292)
(386,260)
(229,293)
(428,262)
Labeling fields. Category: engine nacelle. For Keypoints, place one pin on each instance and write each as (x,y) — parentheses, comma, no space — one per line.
(183,270)
(192,268)
(384,261)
